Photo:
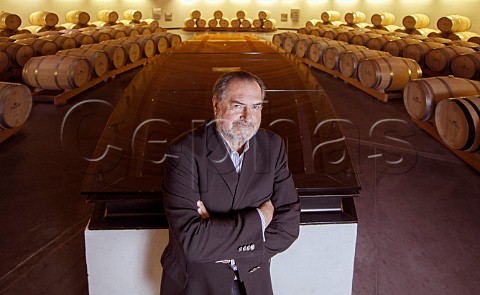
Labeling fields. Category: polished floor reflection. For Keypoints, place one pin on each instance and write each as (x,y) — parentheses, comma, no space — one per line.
(418,221)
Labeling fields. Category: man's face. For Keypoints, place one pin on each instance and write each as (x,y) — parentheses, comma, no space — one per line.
(239,114)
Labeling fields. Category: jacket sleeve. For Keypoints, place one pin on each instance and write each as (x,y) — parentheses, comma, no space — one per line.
(205,240)
(284,228)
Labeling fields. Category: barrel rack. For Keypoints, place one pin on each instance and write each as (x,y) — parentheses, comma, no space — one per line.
(381,95)
(59,97)
(227,29)
(5,134)
(472,158)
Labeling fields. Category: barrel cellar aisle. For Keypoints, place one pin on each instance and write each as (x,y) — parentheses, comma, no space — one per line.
(417,219)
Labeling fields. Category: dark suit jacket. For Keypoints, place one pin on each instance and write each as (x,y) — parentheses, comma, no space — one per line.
(199,168)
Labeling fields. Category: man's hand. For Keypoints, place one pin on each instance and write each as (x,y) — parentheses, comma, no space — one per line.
(267,211)
(202,211)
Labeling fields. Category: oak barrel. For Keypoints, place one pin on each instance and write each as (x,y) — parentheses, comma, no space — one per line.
(212,22)
(128,30)
(9,21)
(468,44)
(463,36)
(147,45)
(56,72)
(224,22)
(264,14)
(241,14)
(15,104)
(270,24)
(161,42)
(317,49)
(108,16)
(84,38)
(132,14)
(383,19)
(454,23)
(439,59)
(4,62)
(114,33)
(116,53)
(98,35)
(348,35)
(334,33)
(416,21)
(350,60)
(421,96)
(257,23)
(98,59)
(380,42)
(312,22)
(195,14)
(467,66)
(18,53)
(331,56)
(63,42)
(235,22)
(395,47)
(355,17)
(458,122)
(291,40)
(302,46)
(278,39)
(388,72)
(78,17)
(40,46)
(132,49)
(418,51)
(201,22)
(247,23)
(330,16)
(218,14)
(475,39)
(43,18)
(362,39)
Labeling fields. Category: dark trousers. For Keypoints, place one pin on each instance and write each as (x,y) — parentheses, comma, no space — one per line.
(238,288)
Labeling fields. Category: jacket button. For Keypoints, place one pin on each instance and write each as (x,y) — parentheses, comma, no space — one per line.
(252,246)
(244,248)
(240,249)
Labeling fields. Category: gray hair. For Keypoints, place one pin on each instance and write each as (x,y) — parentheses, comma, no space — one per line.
(220,87)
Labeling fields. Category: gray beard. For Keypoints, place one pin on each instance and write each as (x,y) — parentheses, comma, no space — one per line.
(236,139)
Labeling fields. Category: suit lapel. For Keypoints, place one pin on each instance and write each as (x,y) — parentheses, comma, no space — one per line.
(219,158)
(251,164)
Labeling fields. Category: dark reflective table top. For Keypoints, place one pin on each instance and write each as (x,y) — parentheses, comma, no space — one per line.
(173,95)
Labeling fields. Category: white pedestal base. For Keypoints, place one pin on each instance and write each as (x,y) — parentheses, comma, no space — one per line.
(128,261)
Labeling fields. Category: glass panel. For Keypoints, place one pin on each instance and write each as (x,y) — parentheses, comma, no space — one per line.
(173,95)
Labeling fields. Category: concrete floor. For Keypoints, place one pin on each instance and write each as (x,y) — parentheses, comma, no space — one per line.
(418,222)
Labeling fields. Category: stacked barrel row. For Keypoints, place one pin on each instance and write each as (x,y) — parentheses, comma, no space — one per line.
(218,21)
(437,56)
(73,68)
(41,21)
(355,19)
(454,27)
(451,105)
(372,68)
(16,50)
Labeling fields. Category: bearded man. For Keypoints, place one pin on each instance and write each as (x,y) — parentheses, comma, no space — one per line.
(229,198)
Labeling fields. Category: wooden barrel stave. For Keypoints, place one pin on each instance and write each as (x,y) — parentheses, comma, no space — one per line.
(15,104)
(388,72)
(421,96)
(55,72)
(458,122)
(98,59)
